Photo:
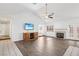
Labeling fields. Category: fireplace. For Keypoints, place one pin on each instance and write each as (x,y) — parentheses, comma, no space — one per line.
(60,35)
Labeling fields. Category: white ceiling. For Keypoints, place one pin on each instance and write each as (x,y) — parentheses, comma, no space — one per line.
(63,10)
(60,9)
(16,8)
(9,8)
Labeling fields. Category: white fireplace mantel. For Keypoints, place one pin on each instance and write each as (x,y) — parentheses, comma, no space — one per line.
(61,31)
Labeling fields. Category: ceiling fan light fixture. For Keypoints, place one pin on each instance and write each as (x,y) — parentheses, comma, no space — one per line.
(48,15)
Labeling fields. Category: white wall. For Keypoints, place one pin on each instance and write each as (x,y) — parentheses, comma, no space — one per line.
(64,24)
(17,25)
(75,23)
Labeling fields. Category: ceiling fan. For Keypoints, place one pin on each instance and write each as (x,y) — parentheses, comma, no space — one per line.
(48,15)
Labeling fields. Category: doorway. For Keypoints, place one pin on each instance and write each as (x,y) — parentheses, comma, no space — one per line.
(4,28)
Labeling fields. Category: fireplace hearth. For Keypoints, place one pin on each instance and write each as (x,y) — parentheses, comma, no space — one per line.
(60,35)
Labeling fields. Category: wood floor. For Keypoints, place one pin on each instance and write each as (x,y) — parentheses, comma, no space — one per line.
(8,48)
(4,37)
(72,51)
(45,46)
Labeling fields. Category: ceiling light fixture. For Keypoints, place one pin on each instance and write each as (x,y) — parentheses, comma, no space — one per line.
(47,16)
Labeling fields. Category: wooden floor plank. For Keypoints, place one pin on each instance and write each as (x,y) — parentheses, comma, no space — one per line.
(8,48)
(72,51)
(5,48)
(75,51)
(11,49)
(17,51)
(1,48)
(68,51)
(46,46)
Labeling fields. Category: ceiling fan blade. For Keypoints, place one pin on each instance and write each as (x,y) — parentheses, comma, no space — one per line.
(51,14)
